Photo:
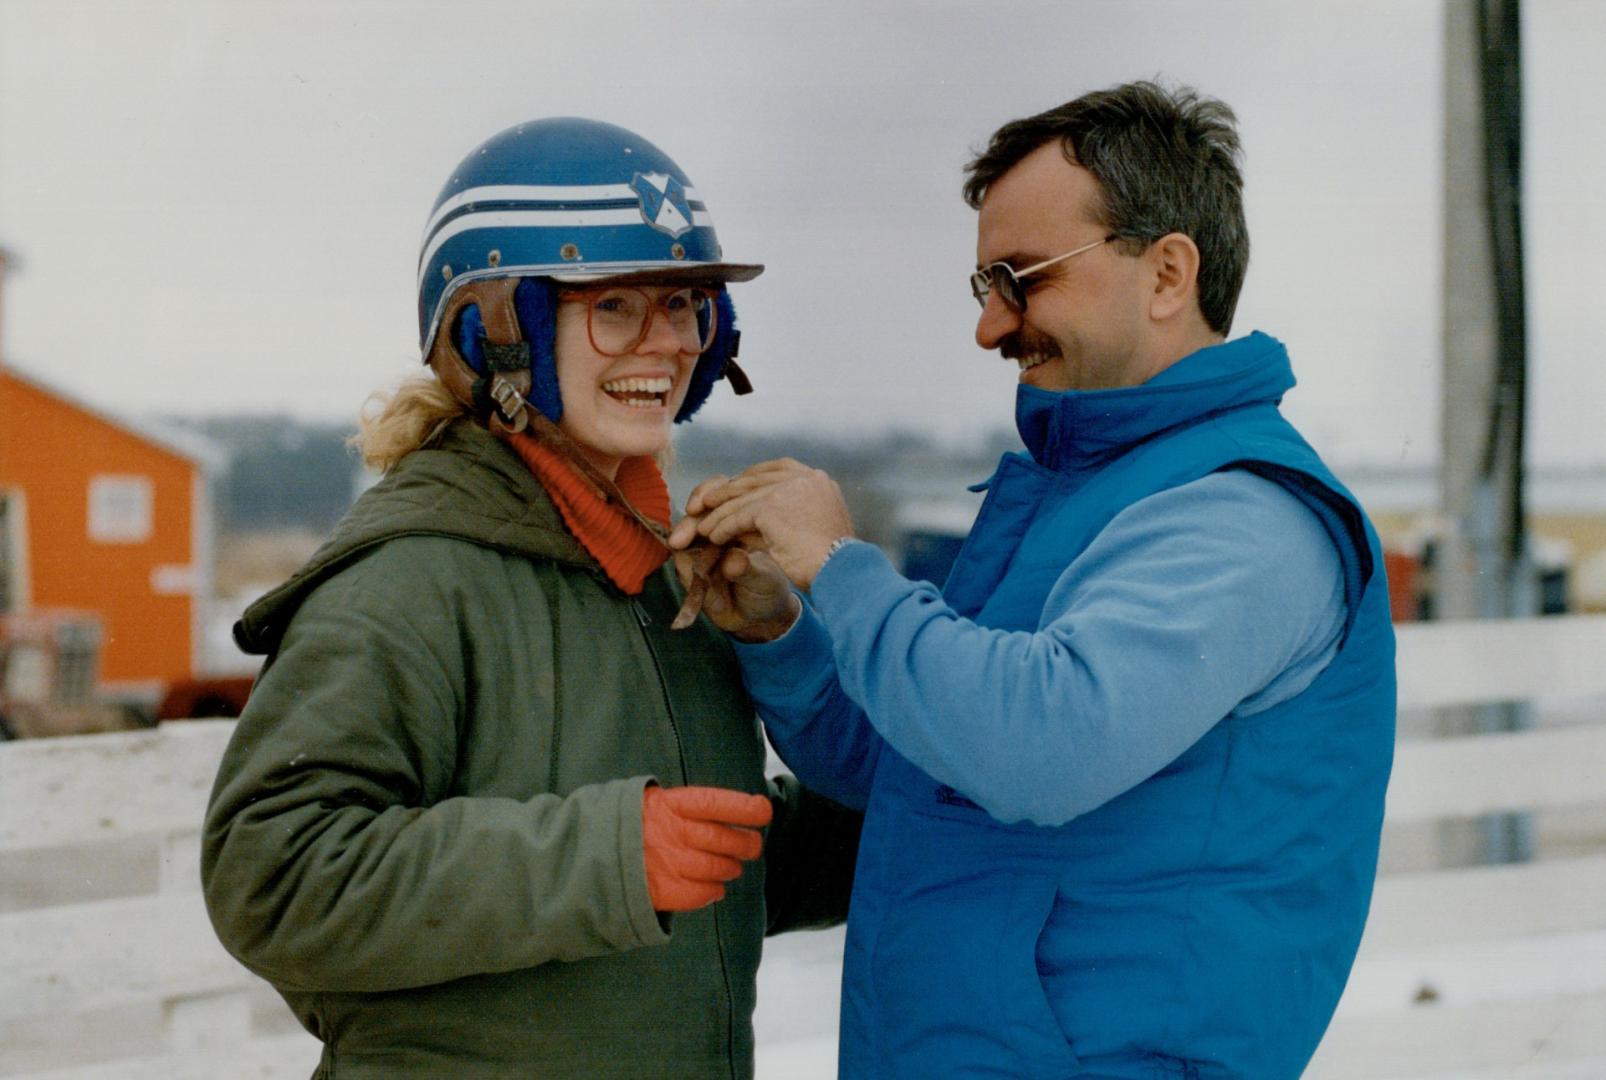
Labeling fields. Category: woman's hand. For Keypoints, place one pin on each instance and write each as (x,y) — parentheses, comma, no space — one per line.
(695,839)
(741,591)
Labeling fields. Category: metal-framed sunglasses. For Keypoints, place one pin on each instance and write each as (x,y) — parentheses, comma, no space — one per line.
(1011,283)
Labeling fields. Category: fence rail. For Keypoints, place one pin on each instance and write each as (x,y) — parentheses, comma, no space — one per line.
(1476,973)
(1488,971)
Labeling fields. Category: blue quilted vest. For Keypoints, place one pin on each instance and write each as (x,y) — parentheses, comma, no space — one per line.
(1200,925)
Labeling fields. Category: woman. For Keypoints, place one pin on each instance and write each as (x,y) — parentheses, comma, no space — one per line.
(486,813)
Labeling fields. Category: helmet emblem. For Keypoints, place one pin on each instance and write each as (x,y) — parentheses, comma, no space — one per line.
(663,202)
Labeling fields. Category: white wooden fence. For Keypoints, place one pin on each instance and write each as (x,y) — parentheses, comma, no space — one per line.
(1494,971)
(109,971)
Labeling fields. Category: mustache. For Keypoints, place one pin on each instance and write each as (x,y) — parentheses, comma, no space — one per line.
(1027,342)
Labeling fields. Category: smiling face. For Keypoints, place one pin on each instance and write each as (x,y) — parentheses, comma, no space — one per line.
(1086,324)
(615,407)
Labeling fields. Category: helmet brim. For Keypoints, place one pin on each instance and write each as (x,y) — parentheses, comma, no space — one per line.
(691,274)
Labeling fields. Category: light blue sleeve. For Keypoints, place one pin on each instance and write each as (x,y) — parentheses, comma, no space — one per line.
(819,732)
(1221,596)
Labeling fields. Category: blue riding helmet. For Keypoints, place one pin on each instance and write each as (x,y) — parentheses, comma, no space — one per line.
(575,202)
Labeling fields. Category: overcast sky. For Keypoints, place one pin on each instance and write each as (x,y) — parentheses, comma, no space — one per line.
(216,204)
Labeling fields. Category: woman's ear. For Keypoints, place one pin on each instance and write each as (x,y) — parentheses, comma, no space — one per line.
(1175,261)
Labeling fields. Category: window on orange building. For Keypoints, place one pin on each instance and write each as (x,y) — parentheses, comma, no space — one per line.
(120,509)
(13,553)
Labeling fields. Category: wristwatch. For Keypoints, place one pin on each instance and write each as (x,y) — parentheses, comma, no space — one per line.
(836,545)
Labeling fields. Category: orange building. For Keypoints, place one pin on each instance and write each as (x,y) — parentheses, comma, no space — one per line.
(99,516)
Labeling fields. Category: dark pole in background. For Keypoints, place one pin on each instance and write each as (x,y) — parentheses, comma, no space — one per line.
(1499,31)
(1483,567)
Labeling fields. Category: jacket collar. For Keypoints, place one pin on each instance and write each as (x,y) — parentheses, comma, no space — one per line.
(1074,429)
(467,484)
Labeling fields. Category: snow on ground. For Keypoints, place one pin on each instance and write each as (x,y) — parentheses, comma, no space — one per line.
(799,987)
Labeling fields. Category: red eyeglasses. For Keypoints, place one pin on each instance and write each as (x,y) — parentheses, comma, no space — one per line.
(618,319)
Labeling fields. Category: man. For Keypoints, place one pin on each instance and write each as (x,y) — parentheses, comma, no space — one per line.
(1124,775)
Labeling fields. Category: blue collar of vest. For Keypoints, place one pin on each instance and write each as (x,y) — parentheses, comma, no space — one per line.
(1070,429)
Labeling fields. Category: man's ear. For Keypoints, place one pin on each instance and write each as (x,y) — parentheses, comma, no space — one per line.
(1175,261)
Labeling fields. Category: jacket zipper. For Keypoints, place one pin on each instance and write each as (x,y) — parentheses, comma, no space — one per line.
(644,620)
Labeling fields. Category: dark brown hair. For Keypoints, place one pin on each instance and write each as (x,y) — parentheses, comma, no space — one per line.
(1165,161)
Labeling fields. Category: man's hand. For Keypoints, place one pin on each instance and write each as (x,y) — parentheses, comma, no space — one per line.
(797,513)
(742,592)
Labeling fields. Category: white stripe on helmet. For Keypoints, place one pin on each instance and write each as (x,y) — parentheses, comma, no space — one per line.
(535,193)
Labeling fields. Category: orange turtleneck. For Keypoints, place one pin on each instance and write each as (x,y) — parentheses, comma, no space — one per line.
(624,547)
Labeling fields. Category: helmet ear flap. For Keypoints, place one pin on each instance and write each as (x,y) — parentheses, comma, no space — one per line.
(535,301)
(469,337)
(534,306)
(718,362)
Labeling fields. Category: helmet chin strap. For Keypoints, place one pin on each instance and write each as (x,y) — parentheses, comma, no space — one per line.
(498,398)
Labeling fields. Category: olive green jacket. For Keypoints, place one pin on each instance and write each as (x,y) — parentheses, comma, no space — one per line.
(426,831)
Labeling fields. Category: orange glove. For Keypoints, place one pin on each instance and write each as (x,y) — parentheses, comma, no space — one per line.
(696,839)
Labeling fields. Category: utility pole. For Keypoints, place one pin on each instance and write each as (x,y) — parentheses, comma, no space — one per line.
(1482,568)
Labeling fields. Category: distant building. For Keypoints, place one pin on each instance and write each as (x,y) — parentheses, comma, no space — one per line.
(99,516)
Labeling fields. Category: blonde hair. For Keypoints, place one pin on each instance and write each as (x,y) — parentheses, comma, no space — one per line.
(392,426)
